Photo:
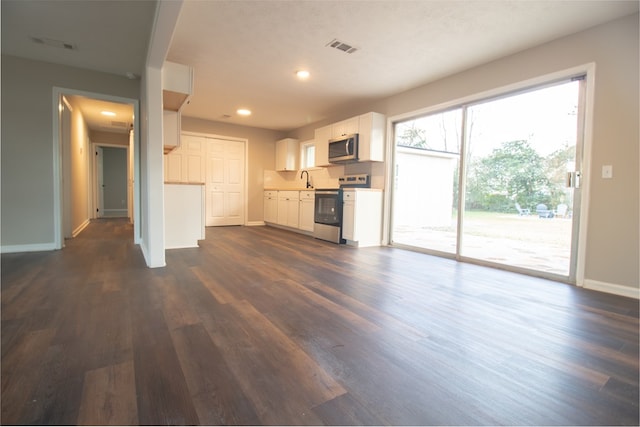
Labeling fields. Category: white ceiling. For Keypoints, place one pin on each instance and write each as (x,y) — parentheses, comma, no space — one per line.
(92,110)
(245,53)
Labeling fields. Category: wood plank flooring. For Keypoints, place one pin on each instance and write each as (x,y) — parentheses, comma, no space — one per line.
(263,326)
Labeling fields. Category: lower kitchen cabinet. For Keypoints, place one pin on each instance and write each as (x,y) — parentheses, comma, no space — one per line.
(362,217)
(307,202)
(288,208)
(271,206)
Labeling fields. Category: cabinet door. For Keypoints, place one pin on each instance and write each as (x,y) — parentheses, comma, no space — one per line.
(348,220)
(371,137)
(287,154)
(321,140)
(281,216)
(293,212)
(170,129)
(306,215)
(271,208)
(345,127)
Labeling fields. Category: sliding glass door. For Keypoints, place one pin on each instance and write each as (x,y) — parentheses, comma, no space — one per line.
(506,201)
(427,164)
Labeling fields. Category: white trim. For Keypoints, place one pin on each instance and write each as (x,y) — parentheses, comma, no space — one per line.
(81,227)
(585,190)
(255,223)
(612,288)
(588,69)
(33,247)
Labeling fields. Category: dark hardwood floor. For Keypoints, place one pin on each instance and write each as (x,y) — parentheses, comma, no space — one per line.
(264,326)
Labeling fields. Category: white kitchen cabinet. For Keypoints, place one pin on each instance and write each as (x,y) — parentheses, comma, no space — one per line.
(271,206)
(170,130)
(362,217)
(345,127)
(177,85)
(288,208)
(370,128)
(321,141)
(307,203)
(371,137)
(287,151)
(183,215)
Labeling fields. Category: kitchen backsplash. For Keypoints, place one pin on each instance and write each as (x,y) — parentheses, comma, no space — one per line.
(326,177)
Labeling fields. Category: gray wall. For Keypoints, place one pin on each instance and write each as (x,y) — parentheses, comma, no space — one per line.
(612,252)
(114,174)
(27,135)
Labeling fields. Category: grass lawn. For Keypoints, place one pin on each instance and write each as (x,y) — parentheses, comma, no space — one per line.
(523,241)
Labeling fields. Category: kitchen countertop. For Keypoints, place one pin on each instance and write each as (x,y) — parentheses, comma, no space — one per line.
(313,189)
(288,189)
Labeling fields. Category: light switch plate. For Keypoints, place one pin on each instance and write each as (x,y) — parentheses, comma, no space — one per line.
(607,171)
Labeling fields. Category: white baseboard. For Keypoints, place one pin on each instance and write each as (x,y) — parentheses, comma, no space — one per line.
(115,213)
(35,247)
(612,288)
(255,223)
(81,227)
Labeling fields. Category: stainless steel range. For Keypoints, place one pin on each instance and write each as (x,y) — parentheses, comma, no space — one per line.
(328,208)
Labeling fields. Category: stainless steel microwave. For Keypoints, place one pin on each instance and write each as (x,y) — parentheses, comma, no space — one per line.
(343,149)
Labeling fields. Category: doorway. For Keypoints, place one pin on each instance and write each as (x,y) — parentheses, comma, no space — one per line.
(111,176)
(74,193)
(486,181)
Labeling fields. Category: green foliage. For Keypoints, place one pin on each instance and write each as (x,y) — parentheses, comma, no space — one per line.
(512,173)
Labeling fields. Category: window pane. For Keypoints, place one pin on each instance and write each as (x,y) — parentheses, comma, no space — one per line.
(426,184)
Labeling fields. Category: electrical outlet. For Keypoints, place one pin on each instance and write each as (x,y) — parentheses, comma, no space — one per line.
(607,171)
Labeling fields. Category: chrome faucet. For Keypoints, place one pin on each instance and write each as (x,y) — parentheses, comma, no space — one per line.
(308,183)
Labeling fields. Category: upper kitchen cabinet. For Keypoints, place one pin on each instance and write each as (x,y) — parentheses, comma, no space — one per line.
(345,127)
(287,151)
(370,130)
(371,137)
(177,87)
(171,128)
(321,141)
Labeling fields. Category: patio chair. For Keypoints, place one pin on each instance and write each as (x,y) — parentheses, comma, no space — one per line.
(521,211)
(562,210)
(543,211)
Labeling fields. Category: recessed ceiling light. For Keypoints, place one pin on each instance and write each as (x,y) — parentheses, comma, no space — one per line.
(244,112)
(302,74)
(108,113)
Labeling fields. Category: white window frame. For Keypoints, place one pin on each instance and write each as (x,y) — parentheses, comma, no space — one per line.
(304,150)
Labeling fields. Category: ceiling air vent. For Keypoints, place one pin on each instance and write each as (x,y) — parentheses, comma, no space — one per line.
(54,43)
(119,124)
(337,44)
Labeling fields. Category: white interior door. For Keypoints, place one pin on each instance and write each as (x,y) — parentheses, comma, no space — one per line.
(225,182)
